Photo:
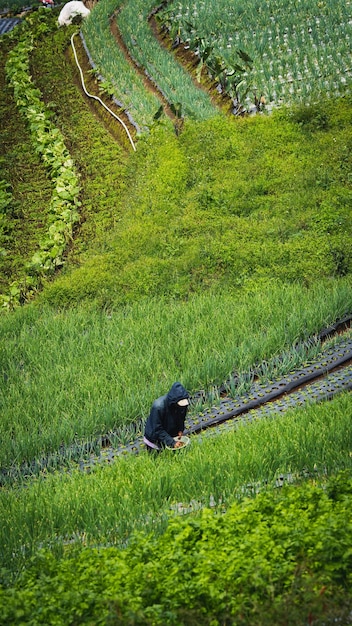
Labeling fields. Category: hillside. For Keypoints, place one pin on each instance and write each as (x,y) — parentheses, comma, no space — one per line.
(219,248)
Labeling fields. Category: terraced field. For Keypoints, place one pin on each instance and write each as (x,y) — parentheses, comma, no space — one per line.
(217,253)
(298,51)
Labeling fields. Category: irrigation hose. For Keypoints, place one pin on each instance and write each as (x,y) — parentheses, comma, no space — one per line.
(97,98)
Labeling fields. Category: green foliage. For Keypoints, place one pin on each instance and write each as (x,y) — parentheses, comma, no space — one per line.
(13,7)
(79,373)
(99,158)
(295,53)
(311,116)
(50,145)
(25,179)
(225,204)
(281,558)
(5,197)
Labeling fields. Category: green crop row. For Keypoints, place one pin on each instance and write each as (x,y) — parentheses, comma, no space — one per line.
(173,81)
(111,63)
(301,51)
(49,144)
(283,559)
(25,220)
(97,156)
(159,66)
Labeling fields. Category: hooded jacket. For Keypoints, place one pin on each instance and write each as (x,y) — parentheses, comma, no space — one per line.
(167,418)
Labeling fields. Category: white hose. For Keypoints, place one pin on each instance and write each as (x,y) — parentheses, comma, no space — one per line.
(99,100)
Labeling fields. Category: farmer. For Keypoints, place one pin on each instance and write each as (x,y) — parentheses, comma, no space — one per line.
(167,419)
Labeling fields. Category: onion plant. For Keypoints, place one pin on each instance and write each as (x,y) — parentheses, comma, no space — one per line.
(73,375)
(142,492)
(172,80)
(298,44)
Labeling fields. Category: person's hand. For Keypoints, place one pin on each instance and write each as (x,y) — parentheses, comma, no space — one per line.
(178,444)
(179,434)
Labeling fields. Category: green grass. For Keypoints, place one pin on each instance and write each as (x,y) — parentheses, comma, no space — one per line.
(300,50)
(226,205)
(68,375)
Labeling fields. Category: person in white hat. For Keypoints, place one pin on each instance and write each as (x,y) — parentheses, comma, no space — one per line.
(167,419)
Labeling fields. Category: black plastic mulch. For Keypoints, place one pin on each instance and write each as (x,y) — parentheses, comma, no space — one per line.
(8,23)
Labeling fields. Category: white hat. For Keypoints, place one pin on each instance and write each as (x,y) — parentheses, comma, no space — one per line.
(183,402)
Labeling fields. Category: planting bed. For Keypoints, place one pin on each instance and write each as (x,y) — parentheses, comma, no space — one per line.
(297,51)
(318,380)
(161,68)
(7,24)
(265,399)
(262,393)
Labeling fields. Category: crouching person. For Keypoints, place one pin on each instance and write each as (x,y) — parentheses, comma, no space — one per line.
(167,419)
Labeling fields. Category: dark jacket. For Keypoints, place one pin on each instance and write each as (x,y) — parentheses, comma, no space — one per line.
(167,418)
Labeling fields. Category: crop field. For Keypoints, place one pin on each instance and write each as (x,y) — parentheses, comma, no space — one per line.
(117,72)
(211,254)
(154,341)
(301,49)
(110,503)
(169,76)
